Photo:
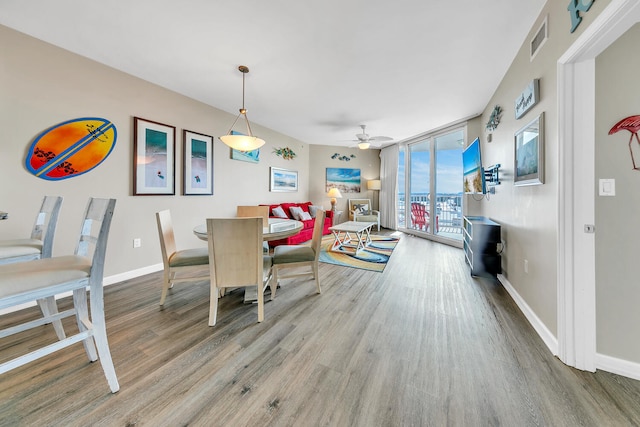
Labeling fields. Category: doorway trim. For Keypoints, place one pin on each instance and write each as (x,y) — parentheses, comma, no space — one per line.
(576,192)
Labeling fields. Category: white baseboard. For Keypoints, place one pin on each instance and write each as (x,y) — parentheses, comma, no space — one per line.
(606,363)
(618,366)
(549,339)
(110,280)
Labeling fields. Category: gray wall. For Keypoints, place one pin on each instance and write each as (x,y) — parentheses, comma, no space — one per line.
(617,227)
(529,214)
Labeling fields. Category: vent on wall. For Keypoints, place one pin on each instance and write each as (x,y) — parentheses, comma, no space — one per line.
(539,39)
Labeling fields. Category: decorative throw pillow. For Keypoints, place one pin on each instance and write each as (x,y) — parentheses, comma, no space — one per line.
(361,209)
(296,212)
(279,212)
(305,216)
(313,209)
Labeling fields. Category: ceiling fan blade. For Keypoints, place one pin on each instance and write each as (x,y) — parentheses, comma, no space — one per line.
(380,138)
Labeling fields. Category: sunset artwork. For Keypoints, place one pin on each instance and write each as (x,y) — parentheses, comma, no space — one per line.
(71,148)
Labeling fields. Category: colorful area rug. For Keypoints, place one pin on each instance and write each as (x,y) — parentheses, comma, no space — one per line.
(374,257)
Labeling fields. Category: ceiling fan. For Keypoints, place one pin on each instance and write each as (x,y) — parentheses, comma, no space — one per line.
(365,141)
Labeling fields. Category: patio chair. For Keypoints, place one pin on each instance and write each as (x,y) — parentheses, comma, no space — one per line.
(420,218)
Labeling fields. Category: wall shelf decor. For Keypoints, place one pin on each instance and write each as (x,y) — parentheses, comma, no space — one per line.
(154,161)
(197,163)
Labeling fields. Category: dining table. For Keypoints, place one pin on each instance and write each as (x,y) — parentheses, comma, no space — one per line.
(278,228)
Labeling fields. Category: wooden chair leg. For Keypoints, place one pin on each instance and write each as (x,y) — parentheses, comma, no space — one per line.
(260,302)
(214,294)
(82,318)
(49,307)
(316,275)
(274,281)
(100,338)
(166,284)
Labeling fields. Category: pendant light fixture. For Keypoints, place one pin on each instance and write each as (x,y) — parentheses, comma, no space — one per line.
(237,141)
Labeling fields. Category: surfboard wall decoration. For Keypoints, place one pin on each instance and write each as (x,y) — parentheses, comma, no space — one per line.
(71,148)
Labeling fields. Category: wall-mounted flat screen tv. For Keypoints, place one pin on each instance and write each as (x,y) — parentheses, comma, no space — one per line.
(472,171)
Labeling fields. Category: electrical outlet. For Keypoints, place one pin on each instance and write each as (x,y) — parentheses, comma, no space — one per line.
(526,266)
(137,243)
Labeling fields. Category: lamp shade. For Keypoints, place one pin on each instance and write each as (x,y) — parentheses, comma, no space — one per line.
(334,193)
(373,184)
(242,142)
(363,145)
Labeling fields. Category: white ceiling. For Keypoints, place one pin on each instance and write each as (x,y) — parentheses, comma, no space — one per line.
(318,69)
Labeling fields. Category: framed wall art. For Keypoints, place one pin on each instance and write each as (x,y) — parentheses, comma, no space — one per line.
(345,180)
(197,163)
(154,147)
(283,180)
(529,153)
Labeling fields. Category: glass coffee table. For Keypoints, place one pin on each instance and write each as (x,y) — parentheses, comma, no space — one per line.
(351,236)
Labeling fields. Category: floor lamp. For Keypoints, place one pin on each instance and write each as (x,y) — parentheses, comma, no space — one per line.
(374,184)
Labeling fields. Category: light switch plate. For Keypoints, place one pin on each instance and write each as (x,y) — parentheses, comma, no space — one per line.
(607,187)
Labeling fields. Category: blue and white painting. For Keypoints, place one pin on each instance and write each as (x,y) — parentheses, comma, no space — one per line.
(345,180)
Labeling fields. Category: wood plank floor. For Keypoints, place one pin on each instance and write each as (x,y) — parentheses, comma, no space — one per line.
(421,344)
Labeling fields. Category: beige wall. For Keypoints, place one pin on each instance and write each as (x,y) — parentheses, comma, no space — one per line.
(42,85)
(617,228)
(368,161)
(529,214)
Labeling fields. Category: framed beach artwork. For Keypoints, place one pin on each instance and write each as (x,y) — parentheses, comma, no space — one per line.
(252,156)
(197,163)
(154,147)
(529,153)
(345,180)
(283,180)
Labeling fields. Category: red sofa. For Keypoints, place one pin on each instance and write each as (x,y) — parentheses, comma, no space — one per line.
(307,228)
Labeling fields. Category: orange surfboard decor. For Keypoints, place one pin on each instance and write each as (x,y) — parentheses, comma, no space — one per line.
(71,148)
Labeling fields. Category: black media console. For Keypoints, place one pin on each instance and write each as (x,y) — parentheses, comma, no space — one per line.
(480,244)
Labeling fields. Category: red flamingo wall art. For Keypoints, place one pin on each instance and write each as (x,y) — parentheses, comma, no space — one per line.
(632,124)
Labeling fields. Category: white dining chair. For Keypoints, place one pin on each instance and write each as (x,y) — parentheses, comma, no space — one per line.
(290,256)
(236,259)
(184,265)
(259,211)
(40,244)
(26,282)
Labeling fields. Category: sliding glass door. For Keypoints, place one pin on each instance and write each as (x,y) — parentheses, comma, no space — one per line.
(430,185)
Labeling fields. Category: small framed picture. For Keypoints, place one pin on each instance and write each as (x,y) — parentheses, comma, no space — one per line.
(283,180)
(529,153)
(154,161)
(197,163)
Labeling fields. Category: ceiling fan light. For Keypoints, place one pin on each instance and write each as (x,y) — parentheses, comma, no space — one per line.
(363,145)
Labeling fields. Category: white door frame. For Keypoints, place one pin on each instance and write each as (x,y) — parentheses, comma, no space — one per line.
(576,192)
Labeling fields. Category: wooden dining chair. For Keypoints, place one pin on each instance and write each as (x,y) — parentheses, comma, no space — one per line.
(40,244)
(236,259)
(256,211)
(178,262)
(288,256)
(25,282)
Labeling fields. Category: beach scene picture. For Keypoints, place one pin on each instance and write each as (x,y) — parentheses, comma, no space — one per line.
(283,180)
(345,180)
(198,163)
(156,165)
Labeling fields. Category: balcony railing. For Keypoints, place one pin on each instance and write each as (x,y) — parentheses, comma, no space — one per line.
(448,212)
